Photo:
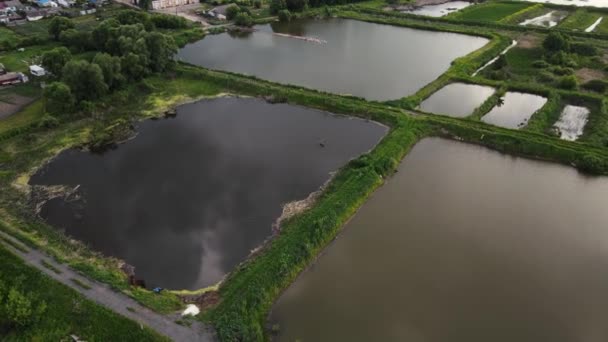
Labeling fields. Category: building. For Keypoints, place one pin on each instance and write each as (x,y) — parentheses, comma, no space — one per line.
(160,4)
(12,78)
(37,70)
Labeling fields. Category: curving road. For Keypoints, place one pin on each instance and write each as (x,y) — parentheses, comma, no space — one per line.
(118,302)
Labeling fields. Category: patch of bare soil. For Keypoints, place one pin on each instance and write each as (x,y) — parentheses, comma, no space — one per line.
(585,75)
(528,41)
(13,103)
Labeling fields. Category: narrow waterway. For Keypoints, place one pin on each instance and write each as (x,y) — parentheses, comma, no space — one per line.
(190,197)
(463,244)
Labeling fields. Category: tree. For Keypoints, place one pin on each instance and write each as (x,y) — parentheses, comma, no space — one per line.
(243,19)
(133,67)
(161,49)
(77,40)
(277,5)
(131,17)
(59,98)
(232,11)
(111,69)
(84,79)
(284,15)
(296,5)
(103,32)
(58,25)
(568,82)
(555,42)
(55,59)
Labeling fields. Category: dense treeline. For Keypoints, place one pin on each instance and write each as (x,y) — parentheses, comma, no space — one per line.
(299,5)
(128,49)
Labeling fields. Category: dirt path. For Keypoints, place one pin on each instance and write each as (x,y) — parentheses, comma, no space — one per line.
(117,302)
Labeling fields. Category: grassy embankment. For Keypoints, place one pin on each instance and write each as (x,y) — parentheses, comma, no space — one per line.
(66,312)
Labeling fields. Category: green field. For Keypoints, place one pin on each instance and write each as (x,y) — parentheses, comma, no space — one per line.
(580,20)
(57,311)
(490,11)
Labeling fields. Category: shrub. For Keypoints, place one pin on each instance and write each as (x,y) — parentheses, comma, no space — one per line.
(555,41)
(257,4)
(592,164)
(284,15)
(48,121)
(598,86)
(232,11)
(568,82)
(277,5)
(584,49)
(546,77)
(541,64)
(243,19)
(561,71)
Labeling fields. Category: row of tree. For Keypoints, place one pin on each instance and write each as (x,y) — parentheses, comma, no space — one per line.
(126,52)
(299,5)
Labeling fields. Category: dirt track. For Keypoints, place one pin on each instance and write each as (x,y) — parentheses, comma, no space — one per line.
(115,301)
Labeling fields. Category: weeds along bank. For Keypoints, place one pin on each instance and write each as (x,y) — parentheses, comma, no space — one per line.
(249,291)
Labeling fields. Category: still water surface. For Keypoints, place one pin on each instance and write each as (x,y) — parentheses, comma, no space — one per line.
(457,99)
(514,110)
(440,10)
(593,3)
(463,244)
(378,62)
(188,198)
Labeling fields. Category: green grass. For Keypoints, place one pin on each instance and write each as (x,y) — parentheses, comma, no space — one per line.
(50,266)
(8,39)
(67,312)
(20,60)
(28,116)
(80,284)
(579,20)
(490,11)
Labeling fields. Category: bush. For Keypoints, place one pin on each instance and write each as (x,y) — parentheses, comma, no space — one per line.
(541,64)
(284,15)
(546,77)
(257,4)
(277,5)
(48,121)
(598,86)
(232,11)
(243,19)
(297,5)
(568,82)
(584,49)
(561,71)
(592,164)
(555,42)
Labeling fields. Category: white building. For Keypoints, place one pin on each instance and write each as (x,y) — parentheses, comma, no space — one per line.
(160,4)
(37,70)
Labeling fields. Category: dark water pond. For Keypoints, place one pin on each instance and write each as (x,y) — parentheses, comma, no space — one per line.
(188,198)
(463,244)
(378,62)
(457,99)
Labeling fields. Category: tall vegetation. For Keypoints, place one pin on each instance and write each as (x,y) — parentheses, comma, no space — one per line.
(128,49)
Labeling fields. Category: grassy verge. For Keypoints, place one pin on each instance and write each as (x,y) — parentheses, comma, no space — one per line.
(490,11)
(65,311)
(48,265)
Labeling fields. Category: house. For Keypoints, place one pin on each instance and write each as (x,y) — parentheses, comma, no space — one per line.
(35,15)
(37,70)
(160,4)
(12,78)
